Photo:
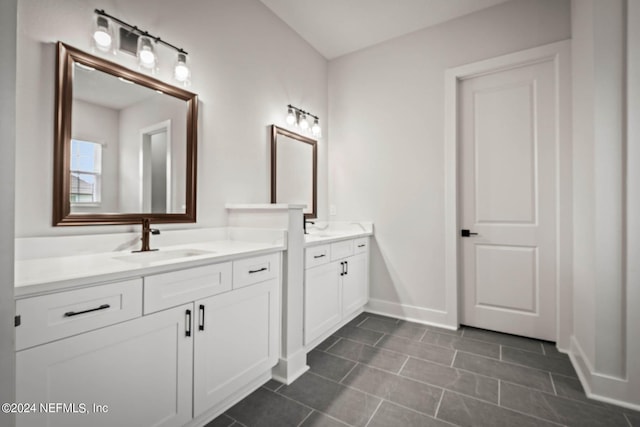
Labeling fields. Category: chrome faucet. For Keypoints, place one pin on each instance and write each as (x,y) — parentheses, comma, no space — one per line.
(146,232)
(304,225)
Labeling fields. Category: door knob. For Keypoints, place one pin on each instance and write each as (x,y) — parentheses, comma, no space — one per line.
(466,233)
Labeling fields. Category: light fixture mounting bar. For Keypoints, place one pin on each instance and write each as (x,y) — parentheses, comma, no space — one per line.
(138,31)
(300,110)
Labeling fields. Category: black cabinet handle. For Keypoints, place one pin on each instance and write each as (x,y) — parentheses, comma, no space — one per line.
(319,256)
(346,267)
(362,246)
(75,313)
(467,233)
(342,268)
(201,323)
(187,330)
(258,270)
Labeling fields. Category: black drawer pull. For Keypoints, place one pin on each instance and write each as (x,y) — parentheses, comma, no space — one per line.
(319,256)
(187,326)
(201,323)
(258,270)
(362,245)
(76,313)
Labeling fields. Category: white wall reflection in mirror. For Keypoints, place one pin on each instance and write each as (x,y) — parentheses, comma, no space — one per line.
(293,169)
(141,134)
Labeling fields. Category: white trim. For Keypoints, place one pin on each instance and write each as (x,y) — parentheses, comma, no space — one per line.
(591,379)
(411,313)
(559,53)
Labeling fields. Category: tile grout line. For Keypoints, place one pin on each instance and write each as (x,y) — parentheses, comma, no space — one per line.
(305,418)
(454,358)
(374,412)
(379,339)
(500,357)
(424,334)
(363,320)
(347,374)
(499,391)
(404,364)
(326,350)
(553,385)
(435,414)
(627,418)
(544,353)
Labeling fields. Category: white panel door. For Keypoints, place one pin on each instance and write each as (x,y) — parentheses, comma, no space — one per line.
(322,300)
(508,168)
(149,358)
(354,284)
(236,340)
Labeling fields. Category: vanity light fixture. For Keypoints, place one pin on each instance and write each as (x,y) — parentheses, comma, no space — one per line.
(103,38)
(298,117)
(147,57)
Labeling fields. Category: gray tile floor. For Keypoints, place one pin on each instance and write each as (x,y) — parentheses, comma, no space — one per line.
(382,372)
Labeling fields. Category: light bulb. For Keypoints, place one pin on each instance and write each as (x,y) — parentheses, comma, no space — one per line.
(146,54)
(291,116)
(181,71)
(316,129)
(102,37)
(304,123)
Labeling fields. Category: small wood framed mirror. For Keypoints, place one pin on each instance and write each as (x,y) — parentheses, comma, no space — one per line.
(125,145)
(294,164)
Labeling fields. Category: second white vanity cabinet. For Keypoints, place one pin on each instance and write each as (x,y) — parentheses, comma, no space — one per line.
(336,285)
(198,339)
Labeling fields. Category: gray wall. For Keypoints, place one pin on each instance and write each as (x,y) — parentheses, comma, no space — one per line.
(8,16)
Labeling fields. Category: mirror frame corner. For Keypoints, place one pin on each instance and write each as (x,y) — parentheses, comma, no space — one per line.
(62,215)
(275,131)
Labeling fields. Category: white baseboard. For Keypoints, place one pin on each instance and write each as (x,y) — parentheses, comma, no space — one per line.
(604,388)
(290,369)
(410,313)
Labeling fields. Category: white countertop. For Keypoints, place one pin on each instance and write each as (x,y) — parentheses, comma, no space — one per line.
(327,232)
(41,275)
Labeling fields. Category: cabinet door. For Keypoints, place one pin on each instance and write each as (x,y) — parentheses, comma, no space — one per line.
(321,300)
(355,287)
(140,371)
(236,340)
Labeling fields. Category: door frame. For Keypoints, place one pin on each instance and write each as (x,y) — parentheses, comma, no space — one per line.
(560,54)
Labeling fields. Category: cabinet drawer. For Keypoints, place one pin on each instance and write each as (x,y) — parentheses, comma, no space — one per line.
(255,270)
(341,249)
(361,245)
(178,287)
(317,255)
(51,317)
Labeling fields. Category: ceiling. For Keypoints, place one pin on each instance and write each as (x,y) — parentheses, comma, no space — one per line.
(338,27)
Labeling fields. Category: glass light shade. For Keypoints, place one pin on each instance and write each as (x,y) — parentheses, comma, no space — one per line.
(316,130)
(303,123)
(291,117)
(102,34)
(181,71)
(146,54)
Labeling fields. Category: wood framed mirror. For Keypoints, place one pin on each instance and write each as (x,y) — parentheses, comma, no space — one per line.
(124,146)
(294,164)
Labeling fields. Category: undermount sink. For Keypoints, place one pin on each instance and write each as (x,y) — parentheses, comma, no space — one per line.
(160,255)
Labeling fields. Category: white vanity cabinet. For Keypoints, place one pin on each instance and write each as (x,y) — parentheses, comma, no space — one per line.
(336,285)
(136,373)
(171,347)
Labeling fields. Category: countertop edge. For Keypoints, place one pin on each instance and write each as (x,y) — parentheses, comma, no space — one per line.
(62,285)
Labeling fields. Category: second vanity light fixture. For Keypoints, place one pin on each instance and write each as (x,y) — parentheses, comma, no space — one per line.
(103,40)
(298,117)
